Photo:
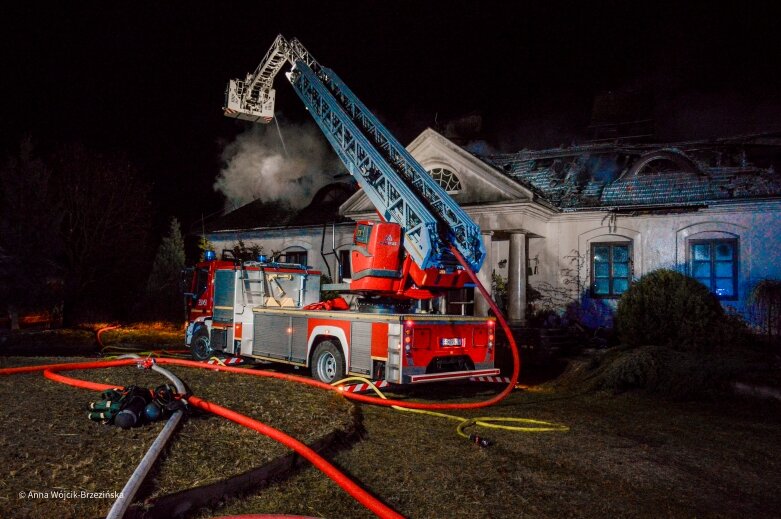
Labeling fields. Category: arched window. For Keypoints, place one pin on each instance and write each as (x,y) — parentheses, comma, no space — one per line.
(447,179)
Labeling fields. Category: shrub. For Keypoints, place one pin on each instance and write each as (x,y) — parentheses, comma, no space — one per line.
(765,300)
(666,308)
(678,375)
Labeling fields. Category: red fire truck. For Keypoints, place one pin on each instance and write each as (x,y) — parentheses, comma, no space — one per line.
(272,311)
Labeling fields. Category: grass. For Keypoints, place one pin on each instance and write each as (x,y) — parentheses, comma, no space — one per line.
(627,455)
(82,340)
(47,442)
(624,456)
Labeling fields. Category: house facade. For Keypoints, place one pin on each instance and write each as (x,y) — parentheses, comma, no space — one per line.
(569,229)
(317,235)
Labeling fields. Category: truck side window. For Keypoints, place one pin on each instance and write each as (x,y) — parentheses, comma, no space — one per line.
(362,233)
(201,281)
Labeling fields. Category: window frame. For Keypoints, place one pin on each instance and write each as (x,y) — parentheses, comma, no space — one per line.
(711,242)
(297,252)
(442,171)
(630,268)
(344,254)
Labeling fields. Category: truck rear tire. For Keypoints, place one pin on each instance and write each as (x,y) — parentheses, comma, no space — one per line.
(328,362)
(200,347)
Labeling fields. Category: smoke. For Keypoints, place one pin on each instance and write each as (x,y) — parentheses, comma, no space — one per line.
(256,166)
(480,147)
(603,168)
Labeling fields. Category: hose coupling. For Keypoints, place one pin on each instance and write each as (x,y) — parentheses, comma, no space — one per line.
(480,440)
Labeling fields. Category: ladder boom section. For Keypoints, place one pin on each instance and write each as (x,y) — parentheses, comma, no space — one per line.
(395,201)
(397,185)
(458,227)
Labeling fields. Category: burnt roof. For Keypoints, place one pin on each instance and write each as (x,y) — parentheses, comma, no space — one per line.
(324,208)
(620,175)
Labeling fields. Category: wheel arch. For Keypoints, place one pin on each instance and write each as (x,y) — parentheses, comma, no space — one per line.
(202,323)
(328,333)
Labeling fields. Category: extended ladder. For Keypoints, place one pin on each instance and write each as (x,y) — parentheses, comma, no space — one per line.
(394,181)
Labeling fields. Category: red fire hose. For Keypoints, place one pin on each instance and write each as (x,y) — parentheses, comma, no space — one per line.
(321,463)
(362,496)
(104,329)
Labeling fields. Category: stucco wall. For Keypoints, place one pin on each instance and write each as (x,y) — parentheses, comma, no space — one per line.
(306,238)
(660,241)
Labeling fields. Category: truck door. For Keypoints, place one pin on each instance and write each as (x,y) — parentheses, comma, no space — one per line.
(222,319)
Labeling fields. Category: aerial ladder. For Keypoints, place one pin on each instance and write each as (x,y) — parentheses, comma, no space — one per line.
(424,245)
(400,189)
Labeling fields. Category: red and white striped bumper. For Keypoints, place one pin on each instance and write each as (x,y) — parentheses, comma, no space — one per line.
(360,388)
(497,380)
(453,375)
(228,361)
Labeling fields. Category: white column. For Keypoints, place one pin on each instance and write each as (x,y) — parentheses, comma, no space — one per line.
(516,282)
(481,305)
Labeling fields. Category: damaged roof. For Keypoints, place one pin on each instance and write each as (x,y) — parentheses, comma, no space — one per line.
(324,208)
(615,175)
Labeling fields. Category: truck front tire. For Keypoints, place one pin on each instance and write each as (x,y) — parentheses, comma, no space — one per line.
(201,348)
(328,362)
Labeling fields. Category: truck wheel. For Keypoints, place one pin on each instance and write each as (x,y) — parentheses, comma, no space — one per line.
(201,348)
(328,362)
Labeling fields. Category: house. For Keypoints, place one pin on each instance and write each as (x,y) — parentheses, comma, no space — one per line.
(570,228)
(317,235)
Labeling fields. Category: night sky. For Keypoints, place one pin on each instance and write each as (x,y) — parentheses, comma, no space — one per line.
(147,78)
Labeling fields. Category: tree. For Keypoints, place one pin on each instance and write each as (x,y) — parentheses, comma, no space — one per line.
(163,285)
(73,231)
(203,245)
(30,217)
(241,251)
(105,223)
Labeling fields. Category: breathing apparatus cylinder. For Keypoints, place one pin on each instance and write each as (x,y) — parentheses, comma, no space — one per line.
(153,412)
(133,410)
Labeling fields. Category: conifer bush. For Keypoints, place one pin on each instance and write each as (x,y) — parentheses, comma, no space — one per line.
(666,308)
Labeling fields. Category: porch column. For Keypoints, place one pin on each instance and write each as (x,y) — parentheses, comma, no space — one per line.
(516,282)
(481,305)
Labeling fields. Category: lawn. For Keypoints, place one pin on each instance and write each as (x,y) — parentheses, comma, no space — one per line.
(48,444)
(624,456)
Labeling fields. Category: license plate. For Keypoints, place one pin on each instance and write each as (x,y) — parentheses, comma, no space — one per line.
(450,342)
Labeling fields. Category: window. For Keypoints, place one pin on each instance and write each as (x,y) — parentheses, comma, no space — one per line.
(714,263)
(296,256)
(201,282)
(610,269)
(447,179)
(344,265)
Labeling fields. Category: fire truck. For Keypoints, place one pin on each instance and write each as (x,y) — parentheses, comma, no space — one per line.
(271,311)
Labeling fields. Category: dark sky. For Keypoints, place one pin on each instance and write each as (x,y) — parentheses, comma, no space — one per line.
(147,78)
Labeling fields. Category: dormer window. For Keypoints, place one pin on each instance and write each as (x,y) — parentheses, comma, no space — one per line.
(446,179)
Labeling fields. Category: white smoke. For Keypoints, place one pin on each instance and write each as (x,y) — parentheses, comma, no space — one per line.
(256,165)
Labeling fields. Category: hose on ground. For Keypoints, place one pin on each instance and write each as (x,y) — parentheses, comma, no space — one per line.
(130,489)
(100,332)
(530,425)
(352,488)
